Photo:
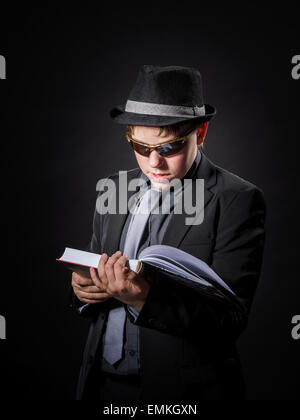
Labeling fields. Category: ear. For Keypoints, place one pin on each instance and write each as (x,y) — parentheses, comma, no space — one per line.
(201,133)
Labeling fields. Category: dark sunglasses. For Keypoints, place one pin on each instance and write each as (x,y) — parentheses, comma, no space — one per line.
(168,148)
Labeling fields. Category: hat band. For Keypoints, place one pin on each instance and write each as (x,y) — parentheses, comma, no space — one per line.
(164,110)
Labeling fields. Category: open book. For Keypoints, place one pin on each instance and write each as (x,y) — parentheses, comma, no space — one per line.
(172,263)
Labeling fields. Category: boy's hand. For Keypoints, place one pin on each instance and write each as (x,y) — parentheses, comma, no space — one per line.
(114,276)
(86,291)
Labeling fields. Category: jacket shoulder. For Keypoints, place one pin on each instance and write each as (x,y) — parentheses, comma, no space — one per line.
(230,186)
(233,182)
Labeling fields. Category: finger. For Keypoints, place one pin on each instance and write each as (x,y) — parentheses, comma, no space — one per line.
(101,270)
(92,296)
(121,268)
(82,283)
(89,289)
(109,268)
(96,280)
(126,269)
(81,280)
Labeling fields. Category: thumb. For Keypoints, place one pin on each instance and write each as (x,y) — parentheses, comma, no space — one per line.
(96,280)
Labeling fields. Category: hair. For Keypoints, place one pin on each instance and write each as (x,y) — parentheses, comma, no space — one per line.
(178,129)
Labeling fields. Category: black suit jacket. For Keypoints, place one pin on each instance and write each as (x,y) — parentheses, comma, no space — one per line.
(187,342)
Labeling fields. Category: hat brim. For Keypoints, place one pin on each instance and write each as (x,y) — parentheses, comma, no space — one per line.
(120,116)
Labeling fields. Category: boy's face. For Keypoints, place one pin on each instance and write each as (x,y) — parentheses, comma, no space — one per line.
(158,168)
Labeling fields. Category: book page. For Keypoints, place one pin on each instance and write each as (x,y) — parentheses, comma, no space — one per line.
(176,269)
(181,260)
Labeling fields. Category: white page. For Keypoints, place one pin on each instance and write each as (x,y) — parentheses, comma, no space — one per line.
(182,259)
(177,270)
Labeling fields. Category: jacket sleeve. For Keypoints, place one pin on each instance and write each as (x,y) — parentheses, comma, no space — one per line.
(237,258)
(81,308)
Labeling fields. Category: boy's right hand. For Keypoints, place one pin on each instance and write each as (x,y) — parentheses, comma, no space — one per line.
(86,291)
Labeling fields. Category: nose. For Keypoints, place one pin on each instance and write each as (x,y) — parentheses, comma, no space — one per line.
(155,159)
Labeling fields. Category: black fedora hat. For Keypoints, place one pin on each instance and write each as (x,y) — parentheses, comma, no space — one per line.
(164,96)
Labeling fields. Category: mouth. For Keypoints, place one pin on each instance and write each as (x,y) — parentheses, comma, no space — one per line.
(159,177)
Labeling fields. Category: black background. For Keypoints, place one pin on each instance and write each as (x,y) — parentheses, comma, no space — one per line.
(66,69)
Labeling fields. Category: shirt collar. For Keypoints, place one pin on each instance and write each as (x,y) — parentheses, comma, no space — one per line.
(191,173)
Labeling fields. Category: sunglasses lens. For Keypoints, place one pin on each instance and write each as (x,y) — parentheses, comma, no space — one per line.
(171,148)
(168,149)
(142,150)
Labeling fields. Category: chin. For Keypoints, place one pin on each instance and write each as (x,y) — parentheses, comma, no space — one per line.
(161,185)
